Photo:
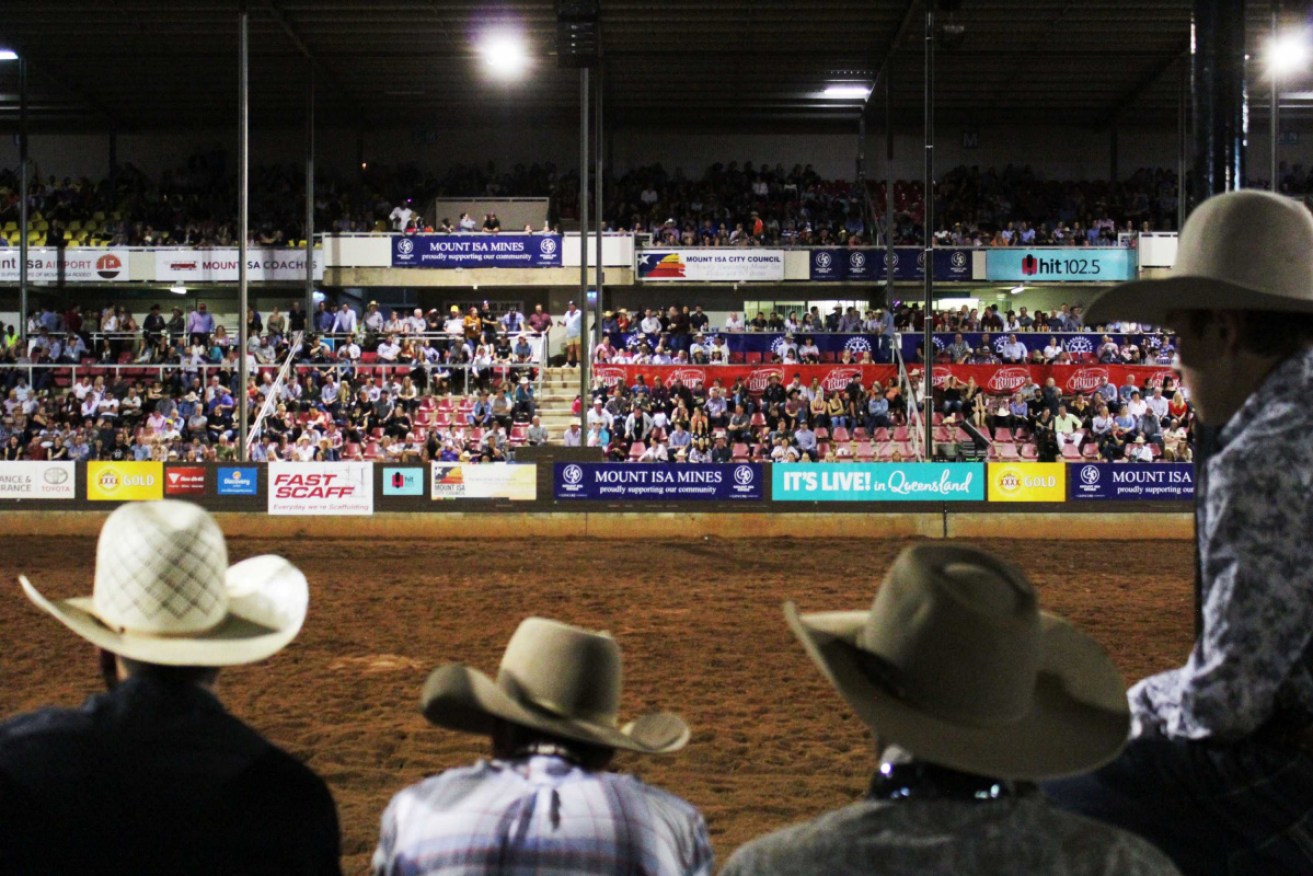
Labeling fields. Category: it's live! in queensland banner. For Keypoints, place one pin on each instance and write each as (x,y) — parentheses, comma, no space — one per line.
(878,482)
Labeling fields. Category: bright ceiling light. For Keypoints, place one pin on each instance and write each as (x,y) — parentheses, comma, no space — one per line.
(178,290)
(8,55)
(505,55)
(1288,53)
(847,91)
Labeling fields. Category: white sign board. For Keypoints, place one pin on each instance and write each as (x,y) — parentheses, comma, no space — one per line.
(322,488)
(265,265)
(37,480)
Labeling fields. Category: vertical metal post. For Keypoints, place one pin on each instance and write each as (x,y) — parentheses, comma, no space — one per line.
(243,205)
(1182,140)
(927,340)
(310,196)
(597,185)
(22,205)
(1274,108)
(1114,148)
(584,385)
(888,192)
(1220,98)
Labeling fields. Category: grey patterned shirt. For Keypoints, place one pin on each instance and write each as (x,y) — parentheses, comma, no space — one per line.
(1017,836)
(1252,659)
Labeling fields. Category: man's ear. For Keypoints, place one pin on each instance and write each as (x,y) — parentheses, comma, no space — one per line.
(1228,323)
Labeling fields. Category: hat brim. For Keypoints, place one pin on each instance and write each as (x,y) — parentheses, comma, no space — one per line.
(1150,301)
(1077,722)
(267,602)
(459,697)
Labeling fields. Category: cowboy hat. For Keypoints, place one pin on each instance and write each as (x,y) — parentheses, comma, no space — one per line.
(1242,250)
(956,663)
(164,592)
(555,678)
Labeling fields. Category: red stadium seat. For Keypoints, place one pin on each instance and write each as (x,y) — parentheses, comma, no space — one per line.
(637,449)
(841,435)
(739,452)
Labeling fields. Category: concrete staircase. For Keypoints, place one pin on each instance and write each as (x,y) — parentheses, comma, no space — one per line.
(560,386)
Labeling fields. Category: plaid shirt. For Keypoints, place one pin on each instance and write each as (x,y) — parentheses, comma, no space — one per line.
(539,815)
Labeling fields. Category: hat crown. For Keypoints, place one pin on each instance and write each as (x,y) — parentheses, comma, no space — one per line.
(944,609)
(565,670)
(160,570)
(1255,239)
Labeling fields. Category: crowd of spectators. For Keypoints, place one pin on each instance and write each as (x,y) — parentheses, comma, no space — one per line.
(729,204)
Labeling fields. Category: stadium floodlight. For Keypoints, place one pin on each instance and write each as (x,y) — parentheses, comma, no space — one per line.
(504,54)
(1287,53)
(847,91)
(8,55)
(1018,289)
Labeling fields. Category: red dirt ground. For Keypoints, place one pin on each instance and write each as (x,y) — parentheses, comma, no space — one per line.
(699,622)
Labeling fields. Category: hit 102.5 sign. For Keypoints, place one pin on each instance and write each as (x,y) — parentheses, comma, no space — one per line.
(1074,264)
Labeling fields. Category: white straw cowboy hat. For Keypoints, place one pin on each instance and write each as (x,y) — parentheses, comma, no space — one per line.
(956,664)
(1243,250)
(556,678)
(164,592)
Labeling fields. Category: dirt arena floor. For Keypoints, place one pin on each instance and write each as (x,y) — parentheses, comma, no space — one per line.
(700,625)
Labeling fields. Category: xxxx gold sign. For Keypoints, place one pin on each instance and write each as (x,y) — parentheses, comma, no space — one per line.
(125,481)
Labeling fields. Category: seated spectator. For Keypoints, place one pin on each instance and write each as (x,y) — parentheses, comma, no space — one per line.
(1026,697)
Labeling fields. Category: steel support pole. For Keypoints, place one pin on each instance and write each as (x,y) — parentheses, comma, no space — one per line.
(888,193)
(243,232)
(22,205)
(1220,99)
(584,385)
(928,226)
(1274,108)
(597,219)
(1182,146)
(309,228)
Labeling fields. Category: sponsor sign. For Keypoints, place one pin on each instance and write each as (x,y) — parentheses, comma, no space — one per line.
(623,481)
(1131,481)
(37,480)
(864,264)
(1073,265)
(406,481)
(77,265)
(1028,482)
(878,482)
(125,481)
(489,480)
(238,481)
(263,265)
(184,480)
(476,251)
(700,265)
(321,488)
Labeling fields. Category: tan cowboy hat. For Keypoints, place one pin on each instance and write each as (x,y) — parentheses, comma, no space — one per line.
(956,664)
(555,678)
(164,592)
(1243,250)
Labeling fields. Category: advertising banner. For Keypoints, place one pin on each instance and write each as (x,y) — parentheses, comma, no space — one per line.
(489,480)
(715,264)
(1081,345)
(78,265)
(1131,481)
(404,481)
(623,481)
(476,251)
(878,482)
(1071,265)
(263,265)
(125,481)
(238,481)
(867,264)
(1028,482)
(321,488)
(184,480)
(37,480)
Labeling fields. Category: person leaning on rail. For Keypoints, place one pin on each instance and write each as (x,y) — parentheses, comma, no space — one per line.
(972,694)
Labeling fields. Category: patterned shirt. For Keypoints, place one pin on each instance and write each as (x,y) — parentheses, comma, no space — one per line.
(1255,512)
(1018,836)
(540,815)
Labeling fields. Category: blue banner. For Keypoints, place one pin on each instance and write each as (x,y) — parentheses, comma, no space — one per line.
(408,481)
(878,482)
(235,481)
(1131,480)
(867,264)
(1074,264)
(623,481)
(476,251)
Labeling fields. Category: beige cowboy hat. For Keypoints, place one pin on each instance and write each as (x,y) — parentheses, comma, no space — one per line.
(1242,250)
(556,678)
(956,664)
(164,592)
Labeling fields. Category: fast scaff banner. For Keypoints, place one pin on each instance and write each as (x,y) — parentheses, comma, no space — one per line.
(726,264)
(322,488)
(623,481)
(476,251)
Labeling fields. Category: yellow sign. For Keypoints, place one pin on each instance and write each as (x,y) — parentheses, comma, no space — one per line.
(1027,482)
(125,481)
